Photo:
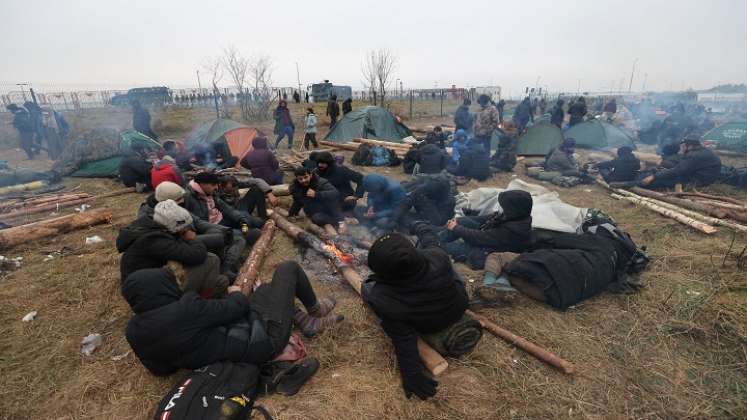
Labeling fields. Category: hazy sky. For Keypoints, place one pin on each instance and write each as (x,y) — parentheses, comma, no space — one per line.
(91,44)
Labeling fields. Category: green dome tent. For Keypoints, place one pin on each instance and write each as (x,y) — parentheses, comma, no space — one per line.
(235,136)
(539,139)
(730,136)
(595,134)
(369,122)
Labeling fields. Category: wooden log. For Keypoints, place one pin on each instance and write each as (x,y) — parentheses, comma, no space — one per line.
(249,272)
(685,220)
(29,186)
(709,196)
(524,344)
(722,204)
(45,200)
(432,360)
(280,190)
(51,227)
(54,206)
(404,146)
(344,146)
(708,210)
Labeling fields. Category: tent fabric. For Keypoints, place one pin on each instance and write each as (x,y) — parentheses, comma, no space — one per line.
(730,136)
(548,211)
(595,134)
(237,137)
(539,139)
(369,122)
(104,168)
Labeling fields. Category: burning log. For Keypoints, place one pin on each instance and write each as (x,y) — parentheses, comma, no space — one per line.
(249,272)
(51,227)
(672,214)
(433,361)
(55,206)
(524,344)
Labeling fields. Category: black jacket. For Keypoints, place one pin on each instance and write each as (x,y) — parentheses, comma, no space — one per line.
(146,244)
(171,330)
(557,115)
(134,169)
(622,169)
(326,195)
(426,302)
(141,120)
(431,159)
(340,177)
(474,162)
(578,110)
(199,207)
(699,167)
(333,109)
(462,118)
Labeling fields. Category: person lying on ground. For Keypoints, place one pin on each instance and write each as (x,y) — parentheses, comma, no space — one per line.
(168,236)
(699,167)
(384,197)
(262,162)
(413,291)
(257,197)
(622,169)
(316,196)
(340,177)
(165,170)
(134,170)
(470,239)
(171,329)
(431,200)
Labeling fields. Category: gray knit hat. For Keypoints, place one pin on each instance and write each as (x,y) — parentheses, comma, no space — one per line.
(168,190)
(171,216)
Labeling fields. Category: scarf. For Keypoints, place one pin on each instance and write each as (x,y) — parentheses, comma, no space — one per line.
(214,215)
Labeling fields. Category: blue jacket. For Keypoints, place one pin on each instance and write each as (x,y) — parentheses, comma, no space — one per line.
(384,194)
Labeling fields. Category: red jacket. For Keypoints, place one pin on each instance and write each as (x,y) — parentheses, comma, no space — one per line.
(164,171)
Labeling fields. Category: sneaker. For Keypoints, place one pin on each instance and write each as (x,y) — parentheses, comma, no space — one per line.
(290,381)
(311,325)
(496,294)
(323,307)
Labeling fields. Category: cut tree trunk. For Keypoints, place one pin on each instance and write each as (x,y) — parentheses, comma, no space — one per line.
(54,206)
(29,186)
(403,146)
(432,360)
(249,272)
(689,221)
(524,344)
(51,227)
(710,197)
(708,210)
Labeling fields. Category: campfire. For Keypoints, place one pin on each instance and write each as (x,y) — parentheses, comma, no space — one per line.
(344,258)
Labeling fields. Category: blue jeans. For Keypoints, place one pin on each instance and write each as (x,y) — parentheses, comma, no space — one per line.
(287,132)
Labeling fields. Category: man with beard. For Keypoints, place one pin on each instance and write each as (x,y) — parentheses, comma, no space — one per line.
(316,196)
(340,177)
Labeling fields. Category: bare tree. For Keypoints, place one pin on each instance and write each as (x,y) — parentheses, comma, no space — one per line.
(260,75)
(214,69)
(237,67)
(377,73)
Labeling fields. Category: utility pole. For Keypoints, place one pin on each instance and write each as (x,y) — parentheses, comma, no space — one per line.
(199,85)
(23,92)
(632,73)
(298,77)
(645,77)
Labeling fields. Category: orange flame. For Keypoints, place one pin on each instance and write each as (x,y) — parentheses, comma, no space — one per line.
(343,257)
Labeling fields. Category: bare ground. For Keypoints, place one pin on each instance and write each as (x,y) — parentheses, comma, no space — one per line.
(676,350)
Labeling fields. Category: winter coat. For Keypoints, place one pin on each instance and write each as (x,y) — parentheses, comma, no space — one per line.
(171,330)
(134,169)
(165,171)
(431,159)
(578,110)
(523,113)
(310,123)
(141,120)
(462,118)
(283,121)
(560,161)
(457,148)
(201,227)
(262,162)
(333,109)
(700,167)
(326,195)
(147,244)
(622,169)
(199,207)
(474,162)
(487,121)
(384,194)
(340,177)
(610,107)
(347,106)
(557,116)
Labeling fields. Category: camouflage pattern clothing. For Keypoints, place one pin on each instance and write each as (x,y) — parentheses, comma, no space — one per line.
(487,121)
(97,144)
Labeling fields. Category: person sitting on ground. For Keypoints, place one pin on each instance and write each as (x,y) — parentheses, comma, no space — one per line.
(413,291)
(223,159)
(257,197)
(179,153)
(504,158)
(474,162)
(699,166)
(169,236)
(165,170)
(430,159)
(134,170)
(263,163)
(458,146)
(485,123)
(470,239)
(561,159)
(202,201)
(384,197)
(340,177)
(439,137)
(309,129)
(622,169)
(431,198)
(316,196)
(462,117)
(670,156)
(172,330)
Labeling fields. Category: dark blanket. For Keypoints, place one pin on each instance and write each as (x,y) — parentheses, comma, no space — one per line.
(456,340)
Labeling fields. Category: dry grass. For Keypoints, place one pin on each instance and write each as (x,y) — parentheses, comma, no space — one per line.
(675,350)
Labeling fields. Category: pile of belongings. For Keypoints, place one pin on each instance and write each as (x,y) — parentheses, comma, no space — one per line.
(368,155)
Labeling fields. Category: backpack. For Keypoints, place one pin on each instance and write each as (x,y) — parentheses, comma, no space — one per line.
(220,391)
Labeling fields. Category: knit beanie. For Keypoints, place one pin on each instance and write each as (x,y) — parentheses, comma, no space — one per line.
(171,216)
(394,256)
(168,190)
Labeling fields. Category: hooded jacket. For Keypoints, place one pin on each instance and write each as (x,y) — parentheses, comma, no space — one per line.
(462,118)
(326,195)
(560,161)
(147,244)
(283,120)
(165,171)
(523,113)
(623,168)
(431,159)
(340,176)
(199,207)
(171,330)
(558,115)
(384,195)
(412,291)
(700,167)
(262,162)
(509,231)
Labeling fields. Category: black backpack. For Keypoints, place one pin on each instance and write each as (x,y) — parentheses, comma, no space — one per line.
(220,391)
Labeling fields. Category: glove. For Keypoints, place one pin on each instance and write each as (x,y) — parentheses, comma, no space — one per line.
(420,385)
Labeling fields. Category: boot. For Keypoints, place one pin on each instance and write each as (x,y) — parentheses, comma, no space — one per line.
(311,326)
(323,307)
(494,291)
